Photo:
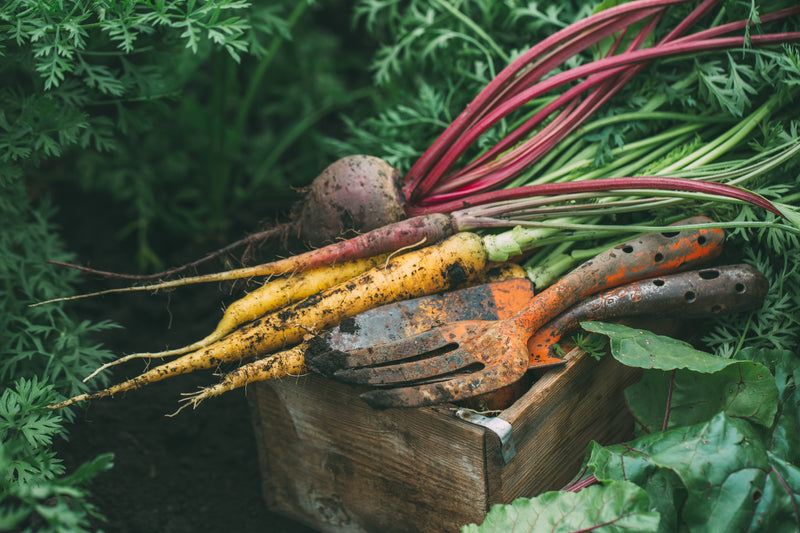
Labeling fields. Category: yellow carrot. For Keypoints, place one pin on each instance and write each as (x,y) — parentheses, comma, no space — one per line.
(291,362)
(503,272)
(426,271)
(270,297)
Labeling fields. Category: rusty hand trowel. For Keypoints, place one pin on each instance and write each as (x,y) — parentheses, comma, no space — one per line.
(471,357)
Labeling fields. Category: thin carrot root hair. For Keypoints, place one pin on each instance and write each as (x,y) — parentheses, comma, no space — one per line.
(428,229)
(280,365)
(270,297)
(281,231)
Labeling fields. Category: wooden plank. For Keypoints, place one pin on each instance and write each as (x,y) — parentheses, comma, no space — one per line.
(558,417)
(333,462)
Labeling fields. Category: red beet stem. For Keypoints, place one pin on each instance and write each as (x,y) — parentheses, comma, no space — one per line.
(481,174)
(604,185)
(546,62)
(628,58)
(495,175)
(454,152)
(701,10)
(690,20)
(487,172)
(609,85)
(739,25)
(413,183)
(581,484)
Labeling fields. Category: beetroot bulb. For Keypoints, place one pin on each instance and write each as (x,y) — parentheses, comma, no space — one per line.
(357,193)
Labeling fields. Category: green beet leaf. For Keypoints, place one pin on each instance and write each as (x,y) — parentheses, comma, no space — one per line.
(617,506)
(778,503)
(663,400)
(667,491)
(724,466)
(643,349)
(785,365)
(668,496)
(690,386)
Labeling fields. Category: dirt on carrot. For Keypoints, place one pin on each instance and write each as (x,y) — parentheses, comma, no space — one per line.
(417,273)
(270,297)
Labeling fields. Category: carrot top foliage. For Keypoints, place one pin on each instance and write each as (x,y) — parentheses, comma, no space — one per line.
(43,356)
(181,111)
(190,113)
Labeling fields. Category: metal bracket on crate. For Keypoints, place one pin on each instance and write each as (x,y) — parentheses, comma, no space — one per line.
(502,428)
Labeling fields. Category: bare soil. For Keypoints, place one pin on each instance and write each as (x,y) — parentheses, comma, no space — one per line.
(195,472)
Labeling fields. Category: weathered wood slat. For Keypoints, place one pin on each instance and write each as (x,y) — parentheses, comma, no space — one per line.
(557,418)
(331,461)
(335,463)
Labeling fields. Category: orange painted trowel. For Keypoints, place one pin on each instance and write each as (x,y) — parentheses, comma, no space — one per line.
(490,301)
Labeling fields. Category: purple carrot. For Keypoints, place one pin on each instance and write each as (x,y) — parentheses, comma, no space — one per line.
(408,233)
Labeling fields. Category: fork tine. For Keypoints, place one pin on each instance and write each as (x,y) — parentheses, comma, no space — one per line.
(451,390)
(326,359)
(426,368)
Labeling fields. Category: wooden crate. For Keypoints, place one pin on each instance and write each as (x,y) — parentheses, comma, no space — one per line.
(330,461)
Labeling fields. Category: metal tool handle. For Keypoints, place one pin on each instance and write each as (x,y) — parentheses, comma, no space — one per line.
(698,293)
(650,255)
(703,292)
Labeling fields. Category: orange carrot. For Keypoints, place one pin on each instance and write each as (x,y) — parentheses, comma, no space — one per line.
(417,273)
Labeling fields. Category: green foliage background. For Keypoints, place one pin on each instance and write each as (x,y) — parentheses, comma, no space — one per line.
(184,112)
(195,118)
(198,118)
